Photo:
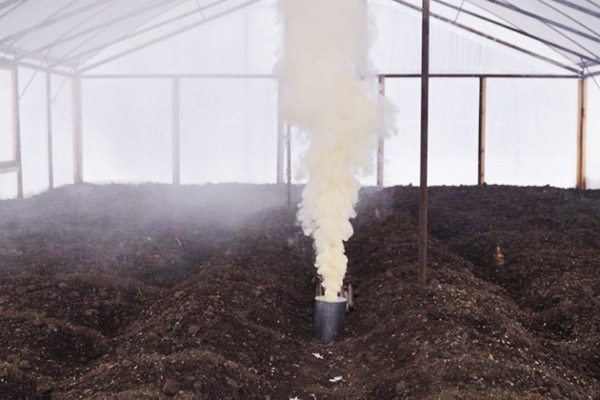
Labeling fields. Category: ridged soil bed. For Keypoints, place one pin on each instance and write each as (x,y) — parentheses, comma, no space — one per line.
(158,292)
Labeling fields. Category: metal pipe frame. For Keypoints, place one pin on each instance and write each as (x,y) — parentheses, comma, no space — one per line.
(77,131)
(423,192)
(180,76)
(519,31)
(136,33)
(20,57)
(49,129)
(16,124)
(546,21)
(490,37)
(381,142)
(175,116)
(481,131)
(167,36)
(577,7)
(483,75)
(69,36)
(592,74)
(53,19)
(280,133)
(581,134)
(383,75)
(11,63)
(8,167)
(288,147)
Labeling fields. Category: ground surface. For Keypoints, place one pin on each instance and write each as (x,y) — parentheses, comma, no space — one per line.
(155,292)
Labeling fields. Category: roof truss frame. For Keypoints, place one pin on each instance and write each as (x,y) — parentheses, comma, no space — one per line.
(71,62)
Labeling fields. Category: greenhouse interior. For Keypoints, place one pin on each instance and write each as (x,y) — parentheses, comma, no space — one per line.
(172,172)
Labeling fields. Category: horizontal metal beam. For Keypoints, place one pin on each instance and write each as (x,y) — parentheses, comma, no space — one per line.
(8,167)
(11,64)
(490,37)
(169,35)
(19,54)
(592,74)
(272,76)
(180,76)
(515,76)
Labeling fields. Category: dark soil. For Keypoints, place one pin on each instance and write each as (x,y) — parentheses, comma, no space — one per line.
(160,292)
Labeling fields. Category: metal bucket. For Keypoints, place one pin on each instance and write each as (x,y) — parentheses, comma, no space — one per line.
(329,319)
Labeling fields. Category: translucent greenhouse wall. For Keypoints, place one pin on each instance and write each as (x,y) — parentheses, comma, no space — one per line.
(228,127)
(126,130)
(8,181)
(231,137)
(593,134)
(531,134)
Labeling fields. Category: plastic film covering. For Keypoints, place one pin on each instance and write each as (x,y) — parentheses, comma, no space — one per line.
(6,132)
(531,134)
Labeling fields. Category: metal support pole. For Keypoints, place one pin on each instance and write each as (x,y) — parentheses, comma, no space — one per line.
(49,128)
(176,159)
(381,142)
(481,141)
(280,133)
(289,163)
(77,132)
(423,197)
(16,120)
(581,135)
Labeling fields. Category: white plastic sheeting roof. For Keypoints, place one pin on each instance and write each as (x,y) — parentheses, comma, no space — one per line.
(68,33)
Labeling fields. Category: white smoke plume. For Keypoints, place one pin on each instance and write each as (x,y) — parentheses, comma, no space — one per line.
(333,98)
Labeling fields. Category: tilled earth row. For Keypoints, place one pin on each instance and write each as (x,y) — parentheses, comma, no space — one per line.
(155,292)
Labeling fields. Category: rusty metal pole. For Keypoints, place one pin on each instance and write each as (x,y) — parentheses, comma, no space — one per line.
(77,131)
(288,136)
(581,134)
(16,125)
(482,113)
(381,142)
(280,132)
(423,198)
(49,127)
(176,147)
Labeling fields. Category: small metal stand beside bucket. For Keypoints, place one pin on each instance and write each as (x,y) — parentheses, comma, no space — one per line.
(329,319)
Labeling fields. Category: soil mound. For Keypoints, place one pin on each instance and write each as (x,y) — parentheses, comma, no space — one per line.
(156,292)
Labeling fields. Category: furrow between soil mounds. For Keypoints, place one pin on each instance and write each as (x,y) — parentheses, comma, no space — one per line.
(460,333)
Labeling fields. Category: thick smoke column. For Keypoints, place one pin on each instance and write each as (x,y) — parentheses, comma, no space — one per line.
(331,96)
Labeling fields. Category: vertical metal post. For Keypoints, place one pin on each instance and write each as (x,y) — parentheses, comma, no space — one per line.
(77,131)
(289,163)
(280,133)
(423,197)
(481,141)
(175,118)
(581,134)
(49,128)
(381,142)
(16,123)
